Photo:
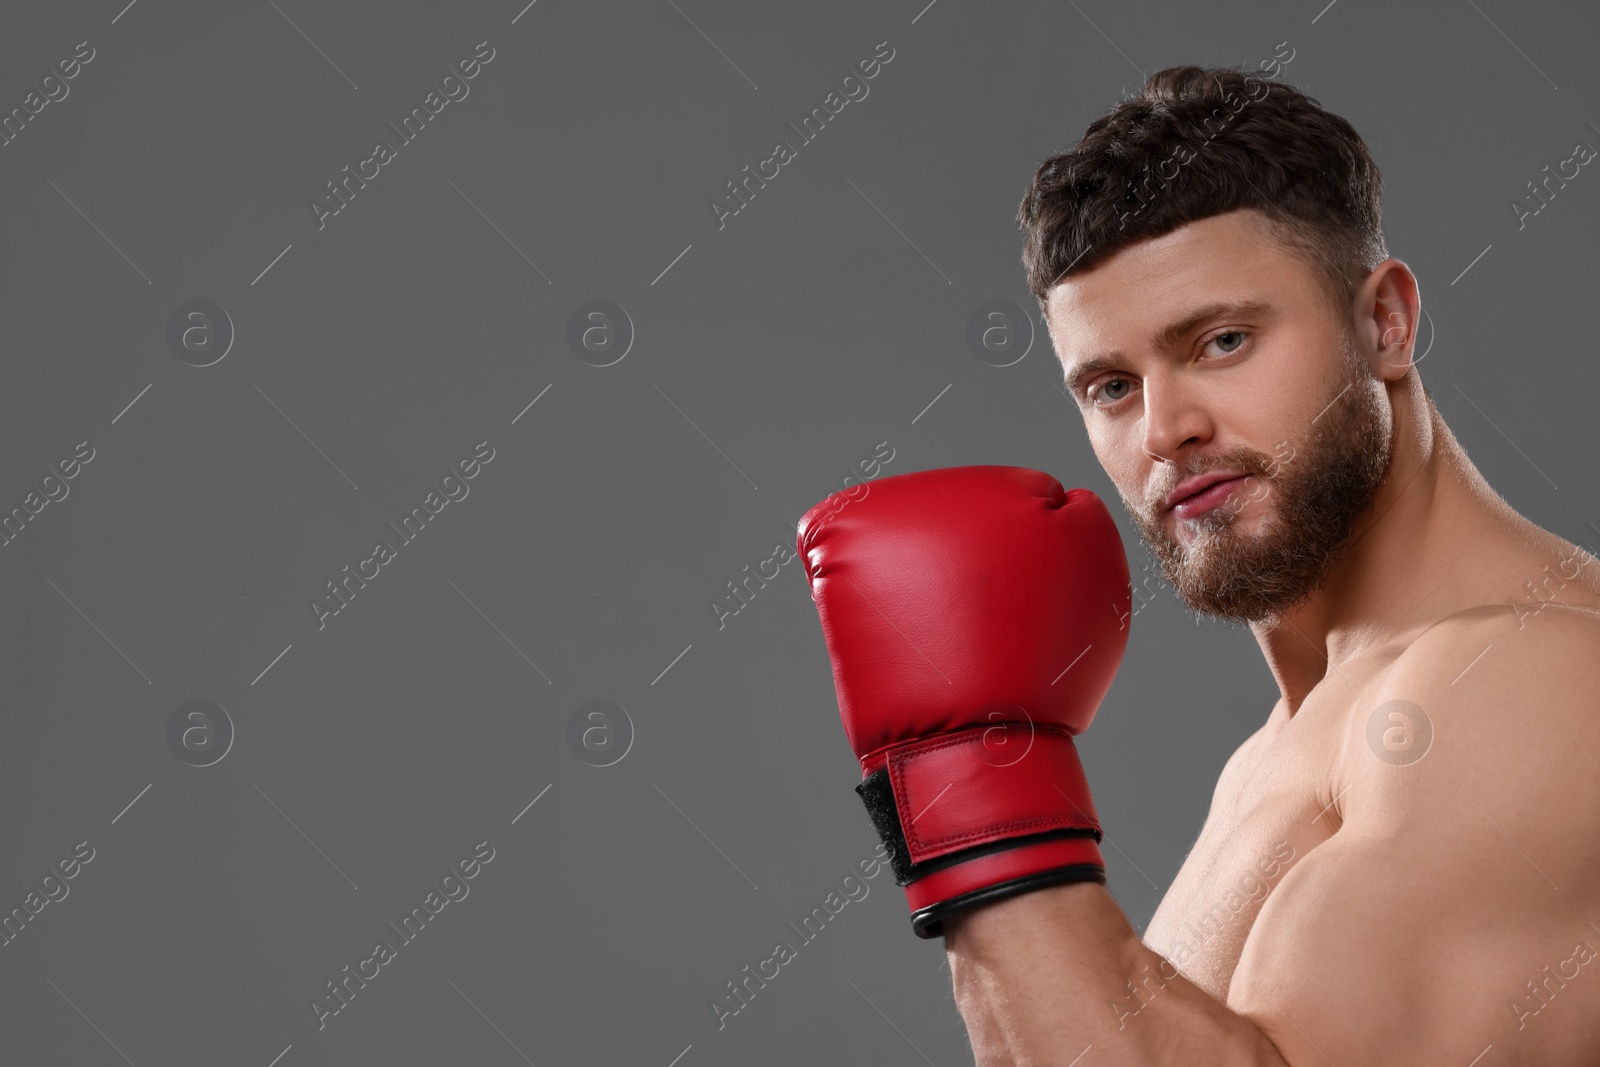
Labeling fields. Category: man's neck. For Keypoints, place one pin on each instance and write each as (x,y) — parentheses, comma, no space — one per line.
(1412,560)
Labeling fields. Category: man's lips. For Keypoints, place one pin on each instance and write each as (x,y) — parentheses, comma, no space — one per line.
(1200,494)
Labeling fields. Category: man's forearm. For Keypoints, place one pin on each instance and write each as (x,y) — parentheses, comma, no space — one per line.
(1041,977)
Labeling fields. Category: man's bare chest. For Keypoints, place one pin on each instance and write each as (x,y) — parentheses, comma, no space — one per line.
(1275,802)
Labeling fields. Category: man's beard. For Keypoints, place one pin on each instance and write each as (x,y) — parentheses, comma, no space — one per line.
(1316,495)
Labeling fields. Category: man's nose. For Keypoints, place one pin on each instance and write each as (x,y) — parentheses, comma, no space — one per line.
(1173,419)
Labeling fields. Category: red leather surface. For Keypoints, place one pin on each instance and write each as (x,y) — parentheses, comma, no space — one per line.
(956,597)
(954,791)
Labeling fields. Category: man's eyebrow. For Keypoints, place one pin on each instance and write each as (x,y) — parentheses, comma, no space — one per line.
(1165,337)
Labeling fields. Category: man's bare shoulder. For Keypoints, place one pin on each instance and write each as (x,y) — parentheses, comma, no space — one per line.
(1496,694)
(1559,642)
(1464,860)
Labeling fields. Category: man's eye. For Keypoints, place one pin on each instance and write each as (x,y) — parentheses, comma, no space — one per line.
(1240,335)
(1108,391)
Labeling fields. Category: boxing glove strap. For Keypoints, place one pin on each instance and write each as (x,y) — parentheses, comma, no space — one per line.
(996,877)
(955,797)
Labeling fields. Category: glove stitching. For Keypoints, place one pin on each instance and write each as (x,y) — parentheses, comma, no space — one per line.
(915,840)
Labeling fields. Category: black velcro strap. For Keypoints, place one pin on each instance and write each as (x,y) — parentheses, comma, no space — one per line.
(879,799)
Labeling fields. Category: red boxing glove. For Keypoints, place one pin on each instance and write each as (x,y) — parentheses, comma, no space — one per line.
(975,617)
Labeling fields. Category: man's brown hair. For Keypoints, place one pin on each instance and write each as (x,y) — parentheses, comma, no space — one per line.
(1202,141)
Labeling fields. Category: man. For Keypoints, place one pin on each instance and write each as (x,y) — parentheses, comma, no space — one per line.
(1402,865)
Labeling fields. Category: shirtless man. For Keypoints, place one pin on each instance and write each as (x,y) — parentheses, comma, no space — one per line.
(1402,865)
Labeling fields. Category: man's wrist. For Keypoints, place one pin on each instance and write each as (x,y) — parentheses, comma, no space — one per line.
(1027,972)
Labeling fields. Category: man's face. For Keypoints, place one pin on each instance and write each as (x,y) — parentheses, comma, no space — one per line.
(1222,357)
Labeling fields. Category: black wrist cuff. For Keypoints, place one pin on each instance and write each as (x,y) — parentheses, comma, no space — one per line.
(929,922)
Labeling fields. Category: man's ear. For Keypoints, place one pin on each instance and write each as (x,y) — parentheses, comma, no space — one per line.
(1390,292)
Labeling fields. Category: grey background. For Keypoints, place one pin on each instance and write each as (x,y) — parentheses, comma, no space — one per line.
(772,356)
